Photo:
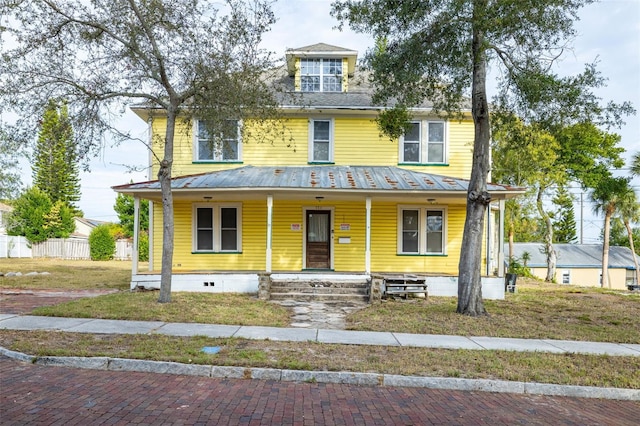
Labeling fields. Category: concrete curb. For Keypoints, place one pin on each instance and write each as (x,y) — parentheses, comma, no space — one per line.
(340,377)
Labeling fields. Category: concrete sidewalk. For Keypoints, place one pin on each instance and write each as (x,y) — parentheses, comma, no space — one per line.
(101,326)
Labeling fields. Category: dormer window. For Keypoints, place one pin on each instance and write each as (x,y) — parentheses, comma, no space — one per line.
(321,75)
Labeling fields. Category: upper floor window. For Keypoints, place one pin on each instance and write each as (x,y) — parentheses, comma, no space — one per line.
(321,141)
(222,145)
(216,228)
(321,75)
(421,230)
(424,143)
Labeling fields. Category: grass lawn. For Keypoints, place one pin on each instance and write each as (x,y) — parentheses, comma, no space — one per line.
(536,311)
(66,274)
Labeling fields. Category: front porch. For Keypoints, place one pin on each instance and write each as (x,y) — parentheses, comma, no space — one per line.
(259,282)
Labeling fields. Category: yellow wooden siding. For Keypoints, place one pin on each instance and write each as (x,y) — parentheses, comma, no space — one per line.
(288,240)
(277,148)
(286,246)
(349,257)
(384,243)
(357,142)
(251,258)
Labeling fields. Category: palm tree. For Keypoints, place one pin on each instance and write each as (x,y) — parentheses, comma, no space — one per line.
(607,195)
(629,212)
(635,164)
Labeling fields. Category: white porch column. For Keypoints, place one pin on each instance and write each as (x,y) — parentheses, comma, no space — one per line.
(489,238)
(150,235)
(269,231)
(501,240)
(367,249)
(136,235)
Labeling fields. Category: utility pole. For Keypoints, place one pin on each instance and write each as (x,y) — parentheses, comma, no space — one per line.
(581,218)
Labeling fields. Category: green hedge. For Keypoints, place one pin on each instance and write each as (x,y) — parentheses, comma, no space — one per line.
(102,245)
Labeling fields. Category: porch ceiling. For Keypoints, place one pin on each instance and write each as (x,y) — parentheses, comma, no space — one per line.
(331,182)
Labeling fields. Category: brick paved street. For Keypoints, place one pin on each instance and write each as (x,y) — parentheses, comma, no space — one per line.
(32,394)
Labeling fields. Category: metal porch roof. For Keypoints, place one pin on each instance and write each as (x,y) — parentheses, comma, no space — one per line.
(329,178)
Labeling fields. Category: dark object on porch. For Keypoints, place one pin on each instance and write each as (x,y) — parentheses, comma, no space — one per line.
(404,285)
(633,287)
(510,282)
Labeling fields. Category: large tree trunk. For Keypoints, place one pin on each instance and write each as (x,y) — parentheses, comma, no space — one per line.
(469,280)
(164,176)
(605,249)
(548,238)
(627,225)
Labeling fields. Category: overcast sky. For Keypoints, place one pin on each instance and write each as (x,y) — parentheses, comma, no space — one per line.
(609,31)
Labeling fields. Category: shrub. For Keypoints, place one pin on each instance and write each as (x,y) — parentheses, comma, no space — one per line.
(143,247)
(515,267)
(102,245)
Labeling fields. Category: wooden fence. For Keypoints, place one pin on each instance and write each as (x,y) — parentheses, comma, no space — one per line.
(77,248)
(11,246)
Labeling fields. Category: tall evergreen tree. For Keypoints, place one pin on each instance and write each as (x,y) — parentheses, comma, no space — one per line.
(55,167)
(564,222)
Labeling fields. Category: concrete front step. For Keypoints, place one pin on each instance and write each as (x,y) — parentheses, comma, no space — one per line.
(320,297)
(320,290)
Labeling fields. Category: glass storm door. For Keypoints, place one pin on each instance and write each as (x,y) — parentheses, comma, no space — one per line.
(318,240)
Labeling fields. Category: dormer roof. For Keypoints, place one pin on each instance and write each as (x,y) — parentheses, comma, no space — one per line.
(320,50)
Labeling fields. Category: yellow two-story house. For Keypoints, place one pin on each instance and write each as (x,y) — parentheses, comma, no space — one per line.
(338,199)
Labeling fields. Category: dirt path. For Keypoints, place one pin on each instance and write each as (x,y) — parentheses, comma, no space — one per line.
(18,301)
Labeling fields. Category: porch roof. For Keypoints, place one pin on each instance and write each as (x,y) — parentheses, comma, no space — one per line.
(338,179)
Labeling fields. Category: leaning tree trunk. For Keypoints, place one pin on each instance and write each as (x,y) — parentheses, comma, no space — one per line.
(605,249)
(627,225)
(469,280)
(548,238)
(164,176)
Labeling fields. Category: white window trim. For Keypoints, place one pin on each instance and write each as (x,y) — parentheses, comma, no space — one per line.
(311,139)
(424,144)
(217,227)
(422,229)
(217,156)
(321,75)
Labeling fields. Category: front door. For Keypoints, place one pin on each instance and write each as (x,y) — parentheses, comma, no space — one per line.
(318,239)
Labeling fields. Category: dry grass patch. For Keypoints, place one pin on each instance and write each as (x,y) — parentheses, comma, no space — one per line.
(206,308)
(569,369)
(536,311)
(66,274)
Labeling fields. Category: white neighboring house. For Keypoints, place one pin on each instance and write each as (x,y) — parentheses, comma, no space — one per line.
(84,226)
(579,264)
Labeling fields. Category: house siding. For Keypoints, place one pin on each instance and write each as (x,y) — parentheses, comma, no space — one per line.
(288,236)
(384,243)
(357,142)
(252,256)
(585,277)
